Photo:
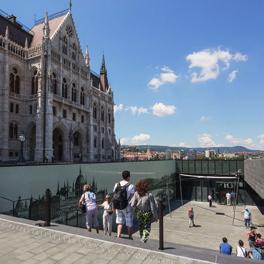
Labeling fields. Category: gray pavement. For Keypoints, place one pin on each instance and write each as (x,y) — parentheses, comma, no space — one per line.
(211,227)
(23,242)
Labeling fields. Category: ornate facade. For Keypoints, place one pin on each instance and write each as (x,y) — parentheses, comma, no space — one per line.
(49,94)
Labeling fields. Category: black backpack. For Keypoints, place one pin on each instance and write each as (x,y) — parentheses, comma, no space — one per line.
(120,200)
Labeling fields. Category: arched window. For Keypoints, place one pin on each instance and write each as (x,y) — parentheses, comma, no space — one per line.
(95,142)
(14,82)
(74,93)
(65,45)
(64,88)
(103,143)
(13,131)
(102,114)
(109,116)
(34,82)
(94,111)
(54,83)
(82,102)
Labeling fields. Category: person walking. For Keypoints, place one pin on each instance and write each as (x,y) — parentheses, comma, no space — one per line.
(247,217)
(107,215)
(146,209)
(241,250)
(225,248)
(210,200)
(191,217)
(228,198)
(88,199)
(123,192)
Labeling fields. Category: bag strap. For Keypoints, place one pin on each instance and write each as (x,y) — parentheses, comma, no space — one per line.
(244,252)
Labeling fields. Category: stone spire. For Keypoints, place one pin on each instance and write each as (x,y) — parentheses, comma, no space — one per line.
(103,77)
(7,33)
(70,5)
(46,28)
(103,68)
(86,57)
(26,43)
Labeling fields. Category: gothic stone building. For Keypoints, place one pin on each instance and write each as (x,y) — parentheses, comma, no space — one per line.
(49,94)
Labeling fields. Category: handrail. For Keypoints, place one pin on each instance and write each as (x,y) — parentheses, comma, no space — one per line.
(6,199)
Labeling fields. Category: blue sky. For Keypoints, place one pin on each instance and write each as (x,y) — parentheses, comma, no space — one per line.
(183,72)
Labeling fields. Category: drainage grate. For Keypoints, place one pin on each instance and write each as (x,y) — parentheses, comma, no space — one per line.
(219,213)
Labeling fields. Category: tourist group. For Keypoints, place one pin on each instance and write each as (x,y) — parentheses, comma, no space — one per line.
(126,196)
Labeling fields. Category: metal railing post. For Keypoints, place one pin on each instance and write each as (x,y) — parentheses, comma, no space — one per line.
(48,207)
(13,208)
(161,227)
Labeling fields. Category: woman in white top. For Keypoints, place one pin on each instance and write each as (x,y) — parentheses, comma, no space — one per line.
(89,199)
(241,251)
(107,215)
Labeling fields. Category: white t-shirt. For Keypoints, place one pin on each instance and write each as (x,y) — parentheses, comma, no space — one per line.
(130,189)
(209,197)
(228,196)
(241,252)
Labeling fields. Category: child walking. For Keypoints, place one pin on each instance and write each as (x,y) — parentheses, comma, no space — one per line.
(146,209)
(107,215)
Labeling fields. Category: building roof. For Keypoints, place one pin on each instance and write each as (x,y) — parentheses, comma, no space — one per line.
(95,80)
(55,21)
(17,32)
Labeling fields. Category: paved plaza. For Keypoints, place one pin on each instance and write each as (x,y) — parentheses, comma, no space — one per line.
(211,227)
(24,243)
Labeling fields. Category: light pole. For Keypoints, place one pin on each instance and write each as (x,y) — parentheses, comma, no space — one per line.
(238,174)
(22,139)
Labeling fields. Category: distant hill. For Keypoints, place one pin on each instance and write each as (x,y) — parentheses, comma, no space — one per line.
(165,148)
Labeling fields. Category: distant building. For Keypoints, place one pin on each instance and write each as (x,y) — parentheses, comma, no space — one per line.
(210,153)
(50,95)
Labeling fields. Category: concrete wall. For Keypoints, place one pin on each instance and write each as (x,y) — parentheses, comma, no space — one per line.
(254,175)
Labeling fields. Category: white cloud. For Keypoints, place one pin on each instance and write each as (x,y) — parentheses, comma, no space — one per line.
(119,108)
(167,75)
(232,140)
(136,140)
(205,119)
(247,142)
(232,76)
(124,141)
(184,145)
(206,140)
(261,139)
(160,109)
(209,63)
(135,110)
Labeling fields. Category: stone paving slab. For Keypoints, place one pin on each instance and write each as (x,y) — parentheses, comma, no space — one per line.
(64,244)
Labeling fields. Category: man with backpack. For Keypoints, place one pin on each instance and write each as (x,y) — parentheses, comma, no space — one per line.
(123,192)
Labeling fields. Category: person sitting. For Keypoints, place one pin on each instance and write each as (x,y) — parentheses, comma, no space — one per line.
(260,241)
(240,250)
(256,252)
(225,248)
(251,236)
